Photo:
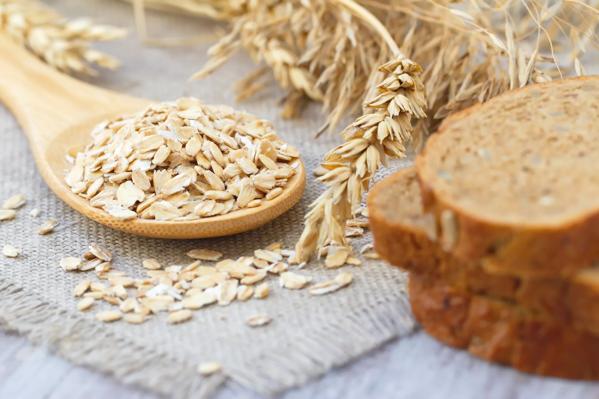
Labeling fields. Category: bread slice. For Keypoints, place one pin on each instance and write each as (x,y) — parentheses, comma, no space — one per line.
(515,183)
(404,235)
(503,333)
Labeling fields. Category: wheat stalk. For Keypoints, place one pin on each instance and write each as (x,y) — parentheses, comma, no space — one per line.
(384,130)
(65,45)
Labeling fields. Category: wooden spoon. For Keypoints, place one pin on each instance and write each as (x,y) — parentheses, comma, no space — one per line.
(57,114)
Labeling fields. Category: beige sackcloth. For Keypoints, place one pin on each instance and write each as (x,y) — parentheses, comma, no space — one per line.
(308,336)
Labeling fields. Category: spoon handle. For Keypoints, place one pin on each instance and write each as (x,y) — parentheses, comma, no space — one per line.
(44,100)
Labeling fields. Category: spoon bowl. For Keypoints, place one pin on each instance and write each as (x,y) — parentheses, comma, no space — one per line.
(57,114)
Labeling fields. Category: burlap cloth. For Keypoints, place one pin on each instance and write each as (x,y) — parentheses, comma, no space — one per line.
(309,335)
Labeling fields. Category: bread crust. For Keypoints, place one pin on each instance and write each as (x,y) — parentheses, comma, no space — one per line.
(503,333)
(536,249)
(569,299)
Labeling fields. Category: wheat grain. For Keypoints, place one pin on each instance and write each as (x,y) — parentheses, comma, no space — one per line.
(63,44)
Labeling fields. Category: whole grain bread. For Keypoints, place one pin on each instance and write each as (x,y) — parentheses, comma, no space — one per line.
(514,183)
(404,235)
(503,333)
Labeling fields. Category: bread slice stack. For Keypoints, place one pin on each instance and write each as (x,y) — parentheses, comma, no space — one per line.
(498,225)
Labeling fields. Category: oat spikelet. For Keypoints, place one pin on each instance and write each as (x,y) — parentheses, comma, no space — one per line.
(384,130)
(268,45)
(63,44)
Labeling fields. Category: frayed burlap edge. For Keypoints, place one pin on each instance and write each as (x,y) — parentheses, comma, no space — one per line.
(318,350)
(86,343)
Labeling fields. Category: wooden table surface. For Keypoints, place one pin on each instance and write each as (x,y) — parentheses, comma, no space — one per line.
(413,367)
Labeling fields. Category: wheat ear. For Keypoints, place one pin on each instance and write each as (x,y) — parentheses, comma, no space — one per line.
(384,130)
(65,45)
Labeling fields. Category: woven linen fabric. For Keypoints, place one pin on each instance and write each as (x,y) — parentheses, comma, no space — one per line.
(308,336)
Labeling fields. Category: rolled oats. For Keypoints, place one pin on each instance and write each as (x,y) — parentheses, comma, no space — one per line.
(258,320)
(209,368)
(216,161)
(47,227)
(10,252)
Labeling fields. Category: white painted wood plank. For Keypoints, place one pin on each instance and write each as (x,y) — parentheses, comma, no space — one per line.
(413,367)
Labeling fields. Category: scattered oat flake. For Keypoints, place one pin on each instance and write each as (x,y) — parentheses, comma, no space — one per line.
(278,268)
(371,255)
(151,264)
(326,287)
(336,256)
(352,260)
(294,281)
(47,227)
(81,288)
(180,316)
(199,300)
(354,231)
(366,247)
(85,304)
(254,278)
(90,265)
(70,263)
(226,292)
(244,292)
(10,252)
(269,256)
(108,316)
(261,291)
(358,223)
(14,202)
(134,318)
(128,305)
(258,320)
(7,214)
(209,368)
(204,254)
(35,212)
(100,252)
(275,246)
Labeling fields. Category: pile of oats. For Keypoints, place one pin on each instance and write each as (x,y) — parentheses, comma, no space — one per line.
(182,160)
(178,290)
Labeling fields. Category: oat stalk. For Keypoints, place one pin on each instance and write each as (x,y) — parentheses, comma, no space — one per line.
(316,50)
(384,130)
(63,44)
